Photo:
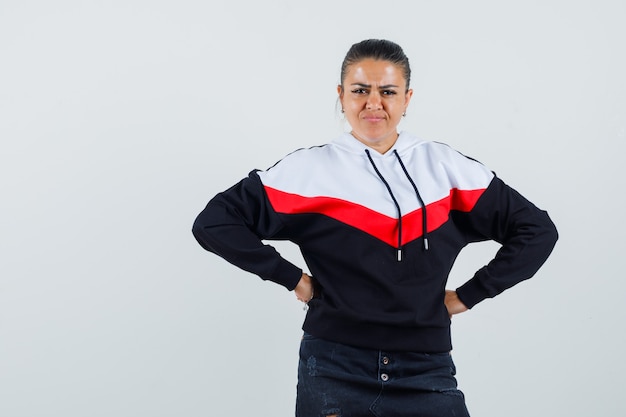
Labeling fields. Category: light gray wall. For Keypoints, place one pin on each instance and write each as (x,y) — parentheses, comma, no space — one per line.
(120,119)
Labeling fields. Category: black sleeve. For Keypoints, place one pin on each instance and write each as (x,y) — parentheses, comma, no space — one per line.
(527,235)
(233,225)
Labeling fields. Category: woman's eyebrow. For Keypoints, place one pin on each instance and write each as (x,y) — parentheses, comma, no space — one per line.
(369,86)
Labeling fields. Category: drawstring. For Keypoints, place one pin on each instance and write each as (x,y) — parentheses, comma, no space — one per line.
(395,202)
(419,198)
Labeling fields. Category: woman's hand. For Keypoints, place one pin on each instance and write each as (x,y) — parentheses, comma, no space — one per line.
(453,303)
(304,289)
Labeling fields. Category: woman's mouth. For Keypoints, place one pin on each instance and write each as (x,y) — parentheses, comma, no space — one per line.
(373,118)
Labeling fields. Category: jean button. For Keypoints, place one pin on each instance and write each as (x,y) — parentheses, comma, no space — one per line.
(384,377)
(385,361)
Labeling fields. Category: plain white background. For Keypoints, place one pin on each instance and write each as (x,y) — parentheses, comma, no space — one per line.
(120,119)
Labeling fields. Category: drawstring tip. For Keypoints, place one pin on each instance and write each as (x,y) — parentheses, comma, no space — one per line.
(399,255)
(425,244)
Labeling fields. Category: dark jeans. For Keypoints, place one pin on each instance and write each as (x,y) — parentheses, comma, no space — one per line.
(335,379)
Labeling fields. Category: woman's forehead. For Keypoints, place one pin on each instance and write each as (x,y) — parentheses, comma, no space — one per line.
(375,71)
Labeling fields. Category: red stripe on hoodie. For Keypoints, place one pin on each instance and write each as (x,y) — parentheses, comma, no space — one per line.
(380,226)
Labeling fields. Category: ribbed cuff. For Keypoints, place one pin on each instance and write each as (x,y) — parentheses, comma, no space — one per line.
(287,274)
(472,293)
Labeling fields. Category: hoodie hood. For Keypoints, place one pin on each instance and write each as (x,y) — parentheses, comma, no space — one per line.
(351,144)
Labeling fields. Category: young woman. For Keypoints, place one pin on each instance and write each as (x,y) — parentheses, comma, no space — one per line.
(379,217)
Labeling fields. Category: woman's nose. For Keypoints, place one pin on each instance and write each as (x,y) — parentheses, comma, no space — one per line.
(373,101)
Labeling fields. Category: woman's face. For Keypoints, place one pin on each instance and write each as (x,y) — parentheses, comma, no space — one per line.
(374,98)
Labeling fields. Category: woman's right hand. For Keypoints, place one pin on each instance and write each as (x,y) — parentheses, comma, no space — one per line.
(304,289)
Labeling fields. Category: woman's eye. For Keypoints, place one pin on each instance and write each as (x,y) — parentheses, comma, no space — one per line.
(388,92)
(359,91)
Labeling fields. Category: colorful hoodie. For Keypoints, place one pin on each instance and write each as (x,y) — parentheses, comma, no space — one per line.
(379,234)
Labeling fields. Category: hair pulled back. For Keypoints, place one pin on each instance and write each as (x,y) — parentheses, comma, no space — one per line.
(380,50)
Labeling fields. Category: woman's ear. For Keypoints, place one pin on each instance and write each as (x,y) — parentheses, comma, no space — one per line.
(407,97)
(340,94)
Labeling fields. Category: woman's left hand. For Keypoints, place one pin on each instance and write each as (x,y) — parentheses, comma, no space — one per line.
(453,303)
